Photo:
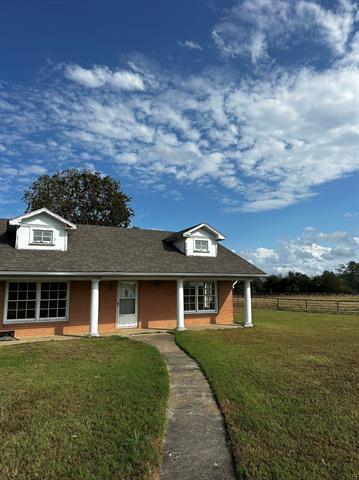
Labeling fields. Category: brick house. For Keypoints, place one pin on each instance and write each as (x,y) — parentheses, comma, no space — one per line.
(61,278)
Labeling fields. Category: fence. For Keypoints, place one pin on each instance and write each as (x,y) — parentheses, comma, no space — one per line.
(301,304)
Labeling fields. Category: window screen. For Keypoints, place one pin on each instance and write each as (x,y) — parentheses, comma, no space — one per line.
(127,299)
(201,245)
(42,236)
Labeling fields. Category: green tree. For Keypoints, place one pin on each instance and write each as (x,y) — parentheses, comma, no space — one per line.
(349,273)
(330,283)
(81,196)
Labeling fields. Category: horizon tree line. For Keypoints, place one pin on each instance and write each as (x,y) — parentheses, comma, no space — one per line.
(345,280)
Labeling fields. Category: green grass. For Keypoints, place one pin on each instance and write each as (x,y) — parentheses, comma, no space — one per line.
(81,409)
(289,391)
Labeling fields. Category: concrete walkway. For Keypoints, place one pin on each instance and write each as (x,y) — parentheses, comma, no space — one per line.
(195,442)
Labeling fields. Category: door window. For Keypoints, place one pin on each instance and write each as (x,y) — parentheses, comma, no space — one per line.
(127,300)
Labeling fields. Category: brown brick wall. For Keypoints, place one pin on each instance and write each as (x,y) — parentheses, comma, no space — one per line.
(156,309)
(79,312)
(107,308)
(225,309)
(157,306)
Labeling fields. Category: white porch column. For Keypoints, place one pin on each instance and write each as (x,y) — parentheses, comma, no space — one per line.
(95,290)
(180,306)
(247,304)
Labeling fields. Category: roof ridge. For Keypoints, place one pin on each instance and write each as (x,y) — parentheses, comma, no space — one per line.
(124,228)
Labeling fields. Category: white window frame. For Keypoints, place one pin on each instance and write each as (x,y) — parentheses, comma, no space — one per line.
(196,297)
(36,242)
(37,318)
(200,250)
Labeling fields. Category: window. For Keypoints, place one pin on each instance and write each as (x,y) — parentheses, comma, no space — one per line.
(127,299)
(21,304)
(53,300)
(36,301)
(200,297)
(43,236)
(201,246)
(189,289)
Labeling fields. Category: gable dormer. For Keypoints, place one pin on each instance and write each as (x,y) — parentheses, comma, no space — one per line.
(41,230)
(200,240)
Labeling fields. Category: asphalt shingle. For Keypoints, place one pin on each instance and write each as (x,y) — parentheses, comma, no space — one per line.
(118,250)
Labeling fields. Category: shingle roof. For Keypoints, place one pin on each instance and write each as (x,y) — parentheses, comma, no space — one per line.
(93,249)
(181,234)
(176,235)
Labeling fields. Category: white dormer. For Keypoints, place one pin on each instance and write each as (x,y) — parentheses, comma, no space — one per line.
(41,230)
(200,240)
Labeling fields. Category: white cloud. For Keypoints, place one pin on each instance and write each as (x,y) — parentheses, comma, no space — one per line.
(100,76)
(351,57)
(336,27)
(190,44)
(351,214)
(252,26)
(22,170)
(260,144)
(311,253)
(247,27)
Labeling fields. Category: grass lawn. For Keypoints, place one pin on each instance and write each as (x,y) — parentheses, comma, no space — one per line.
(289,390)
(81,409)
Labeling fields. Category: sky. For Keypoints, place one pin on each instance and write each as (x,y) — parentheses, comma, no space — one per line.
(243,114)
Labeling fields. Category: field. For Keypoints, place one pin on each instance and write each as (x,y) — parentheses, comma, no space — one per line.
(81,409)
(289,391)
(305,303)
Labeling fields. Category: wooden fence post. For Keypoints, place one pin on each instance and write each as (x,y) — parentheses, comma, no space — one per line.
(306,305)
(337,306)
(278,304)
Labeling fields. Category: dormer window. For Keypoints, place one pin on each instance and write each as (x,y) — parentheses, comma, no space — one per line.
(41,230)
(43,237)
(201,246)
(200,240)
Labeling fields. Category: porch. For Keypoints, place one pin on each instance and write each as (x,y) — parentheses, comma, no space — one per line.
(184,316)
(105,306)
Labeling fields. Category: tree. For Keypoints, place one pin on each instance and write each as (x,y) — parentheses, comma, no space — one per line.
(329,282)
(349,273)
(81,196)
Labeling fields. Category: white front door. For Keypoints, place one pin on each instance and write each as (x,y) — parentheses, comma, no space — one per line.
(127,304)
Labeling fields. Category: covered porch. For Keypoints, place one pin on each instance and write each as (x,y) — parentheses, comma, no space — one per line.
(182,313)
(53,306)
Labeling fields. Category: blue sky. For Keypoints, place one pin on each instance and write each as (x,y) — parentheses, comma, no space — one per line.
(242,113)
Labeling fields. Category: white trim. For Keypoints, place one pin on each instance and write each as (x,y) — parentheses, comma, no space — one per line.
(18,220)
(6,296)
(35,322)
(34,229)
(218,234)
(37,318)
(136,274)
(195,250)
(135,283)
(201,312)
